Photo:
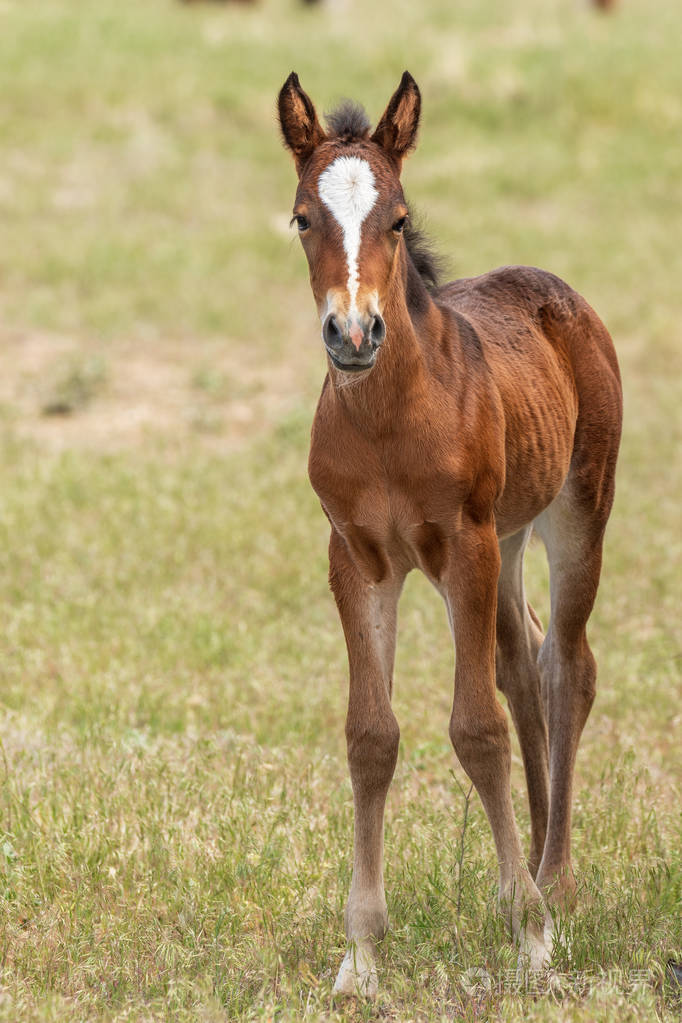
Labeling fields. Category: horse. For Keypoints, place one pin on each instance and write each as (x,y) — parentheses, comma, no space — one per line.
(454,419)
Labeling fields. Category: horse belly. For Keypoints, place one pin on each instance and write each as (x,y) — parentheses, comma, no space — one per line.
(540,430)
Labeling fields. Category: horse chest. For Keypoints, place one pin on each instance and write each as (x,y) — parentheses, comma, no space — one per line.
(394,524)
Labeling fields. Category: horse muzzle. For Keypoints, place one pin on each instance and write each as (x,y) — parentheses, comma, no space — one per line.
(352,344)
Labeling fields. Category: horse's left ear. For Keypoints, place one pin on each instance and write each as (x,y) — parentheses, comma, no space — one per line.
(396,132)
(301,129)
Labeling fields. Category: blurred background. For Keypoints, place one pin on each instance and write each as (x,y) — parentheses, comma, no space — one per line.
(172,672)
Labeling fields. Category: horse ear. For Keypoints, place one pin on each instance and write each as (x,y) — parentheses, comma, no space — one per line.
(301,129)
(396,132)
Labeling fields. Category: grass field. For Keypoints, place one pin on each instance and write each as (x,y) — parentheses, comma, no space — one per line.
(175,814)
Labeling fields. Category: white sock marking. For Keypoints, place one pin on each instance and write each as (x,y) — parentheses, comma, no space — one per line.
(347,189)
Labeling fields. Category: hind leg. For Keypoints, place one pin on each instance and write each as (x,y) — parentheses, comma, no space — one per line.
(572,531)
(519,638)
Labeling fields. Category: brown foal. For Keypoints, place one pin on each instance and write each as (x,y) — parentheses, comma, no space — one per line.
(453,420)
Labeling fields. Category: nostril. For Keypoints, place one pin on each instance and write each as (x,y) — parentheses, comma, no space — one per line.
(331,332)
(377,331)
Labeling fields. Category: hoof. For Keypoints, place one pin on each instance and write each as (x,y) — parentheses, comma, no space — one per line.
(357,977)
(535,950)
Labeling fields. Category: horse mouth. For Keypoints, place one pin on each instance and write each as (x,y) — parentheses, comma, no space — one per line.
(352,367)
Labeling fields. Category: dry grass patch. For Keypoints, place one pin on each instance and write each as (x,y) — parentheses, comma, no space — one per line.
(68,394)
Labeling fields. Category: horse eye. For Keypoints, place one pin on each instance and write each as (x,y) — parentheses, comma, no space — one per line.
(399,225)
(302,223)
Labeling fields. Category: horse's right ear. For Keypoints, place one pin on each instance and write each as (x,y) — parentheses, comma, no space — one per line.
(301,129)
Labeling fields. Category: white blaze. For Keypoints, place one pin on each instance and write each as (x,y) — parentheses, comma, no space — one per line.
(347,189)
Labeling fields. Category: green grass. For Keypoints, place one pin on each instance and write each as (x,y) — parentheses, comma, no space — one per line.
(175,814)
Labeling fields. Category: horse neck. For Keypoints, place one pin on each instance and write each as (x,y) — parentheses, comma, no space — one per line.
(376,401)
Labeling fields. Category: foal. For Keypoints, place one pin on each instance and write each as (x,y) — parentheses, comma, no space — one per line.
(454,419)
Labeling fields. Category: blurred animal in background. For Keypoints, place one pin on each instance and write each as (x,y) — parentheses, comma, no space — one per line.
(218,1)
(310,2)
(604,5)
(455,418)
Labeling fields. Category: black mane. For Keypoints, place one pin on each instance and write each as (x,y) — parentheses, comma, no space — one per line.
(428,263)
(348,121)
